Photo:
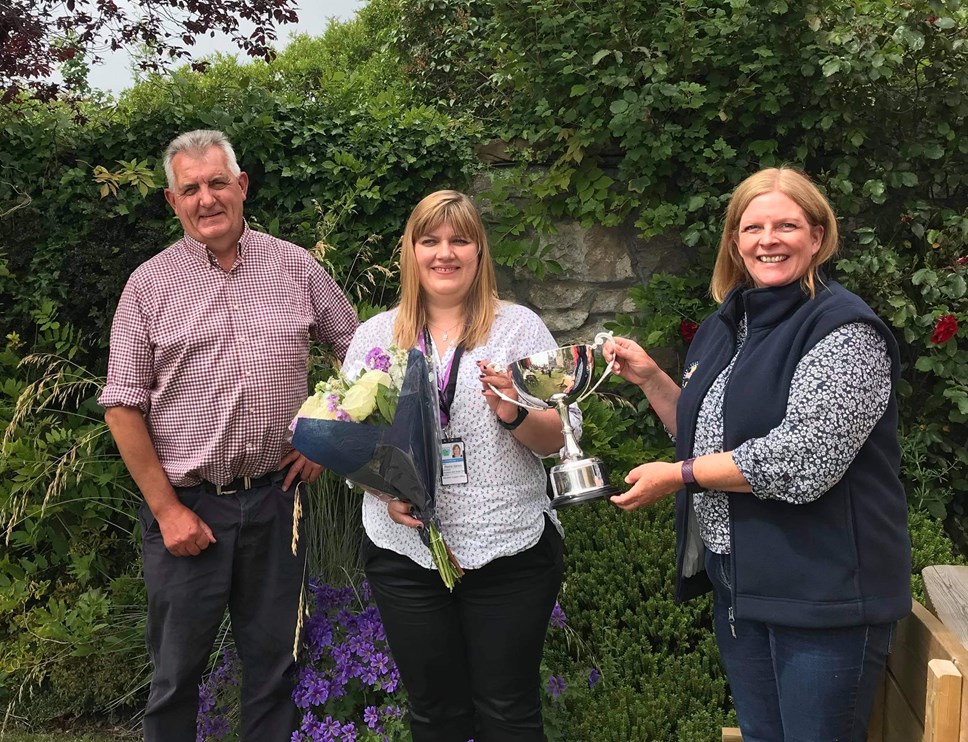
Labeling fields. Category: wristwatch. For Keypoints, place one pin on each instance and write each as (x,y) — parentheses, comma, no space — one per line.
(522,413)
(689,478)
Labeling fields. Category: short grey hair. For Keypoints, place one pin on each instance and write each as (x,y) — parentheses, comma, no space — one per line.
(197,143)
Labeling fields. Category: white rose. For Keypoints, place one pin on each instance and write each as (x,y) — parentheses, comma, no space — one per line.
(360,401)
(316,407)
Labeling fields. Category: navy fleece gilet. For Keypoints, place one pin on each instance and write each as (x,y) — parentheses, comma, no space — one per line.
(843,559)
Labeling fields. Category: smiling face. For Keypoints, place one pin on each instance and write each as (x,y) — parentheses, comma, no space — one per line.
(447,264)
(207,198)
(775,240)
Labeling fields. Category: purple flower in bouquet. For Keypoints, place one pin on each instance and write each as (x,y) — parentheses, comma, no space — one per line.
(378,359)
(593,677)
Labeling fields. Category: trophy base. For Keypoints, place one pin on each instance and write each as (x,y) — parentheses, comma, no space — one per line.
(564,501)
(580,480)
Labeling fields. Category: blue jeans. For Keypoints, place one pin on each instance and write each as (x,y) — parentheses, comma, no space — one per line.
(792,684)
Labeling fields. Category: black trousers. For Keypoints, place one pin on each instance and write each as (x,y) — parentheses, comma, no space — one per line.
(470,660)
(252,571)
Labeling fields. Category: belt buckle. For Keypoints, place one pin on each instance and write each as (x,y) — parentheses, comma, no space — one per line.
(223,489)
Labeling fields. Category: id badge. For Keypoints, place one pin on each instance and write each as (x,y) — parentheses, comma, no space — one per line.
(453,461)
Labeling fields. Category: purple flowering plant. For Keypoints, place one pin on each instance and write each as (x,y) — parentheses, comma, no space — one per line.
(218,697)
(572,680)
(348,688)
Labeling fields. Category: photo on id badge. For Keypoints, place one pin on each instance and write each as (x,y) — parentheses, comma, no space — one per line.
(453,461)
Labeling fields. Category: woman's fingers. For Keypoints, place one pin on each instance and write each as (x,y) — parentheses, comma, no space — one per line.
(400,512)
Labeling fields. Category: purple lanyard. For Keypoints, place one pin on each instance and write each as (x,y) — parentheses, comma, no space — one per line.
(446,376)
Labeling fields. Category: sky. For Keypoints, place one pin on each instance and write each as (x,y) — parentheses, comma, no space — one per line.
(114,73)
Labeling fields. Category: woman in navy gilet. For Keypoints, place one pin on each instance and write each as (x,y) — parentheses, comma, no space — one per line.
(788,501)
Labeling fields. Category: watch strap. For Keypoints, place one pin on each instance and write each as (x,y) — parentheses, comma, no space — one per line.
(519,418)
(689,477)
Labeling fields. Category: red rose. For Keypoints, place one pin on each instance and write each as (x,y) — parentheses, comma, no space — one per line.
(945,329)
(963,260)
(687,328)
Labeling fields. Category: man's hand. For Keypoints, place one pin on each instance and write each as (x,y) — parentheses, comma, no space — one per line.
(184,533)
(300,467)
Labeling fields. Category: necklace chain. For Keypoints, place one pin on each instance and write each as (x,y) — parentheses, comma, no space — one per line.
(446,335)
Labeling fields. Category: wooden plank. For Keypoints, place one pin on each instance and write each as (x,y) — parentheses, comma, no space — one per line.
(946,589)
(901,723)
(942,713)
(731,734)
(921,637)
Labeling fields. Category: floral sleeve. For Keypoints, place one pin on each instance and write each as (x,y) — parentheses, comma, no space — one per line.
(838,393)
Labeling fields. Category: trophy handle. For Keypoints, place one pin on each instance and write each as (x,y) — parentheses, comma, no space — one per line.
(600,340)
(506,398)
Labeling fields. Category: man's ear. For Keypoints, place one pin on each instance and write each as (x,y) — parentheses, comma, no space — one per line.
(170,197)
(244,184)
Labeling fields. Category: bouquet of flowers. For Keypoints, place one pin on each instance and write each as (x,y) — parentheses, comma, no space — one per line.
(380,430)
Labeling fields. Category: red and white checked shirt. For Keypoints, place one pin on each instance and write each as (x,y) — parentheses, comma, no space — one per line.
(216,360)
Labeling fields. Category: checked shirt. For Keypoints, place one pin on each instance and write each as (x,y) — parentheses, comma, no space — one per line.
(216,360)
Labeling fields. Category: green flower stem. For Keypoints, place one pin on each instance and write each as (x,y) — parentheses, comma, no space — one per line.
(444,559)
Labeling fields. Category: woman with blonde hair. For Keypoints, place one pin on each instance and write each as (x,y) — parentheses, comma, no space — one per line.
(788,506)
(469,659)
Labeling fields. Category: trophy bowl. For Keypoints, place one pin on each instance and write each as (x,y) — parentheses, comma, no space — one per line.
(557,378)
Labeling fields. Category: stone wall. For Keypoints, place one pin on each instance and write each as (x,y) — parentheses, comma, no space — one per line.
(600,265)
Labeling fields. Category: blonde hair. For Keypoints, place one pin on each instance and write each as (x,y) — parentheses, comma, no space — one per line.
(480,304)
(730,271)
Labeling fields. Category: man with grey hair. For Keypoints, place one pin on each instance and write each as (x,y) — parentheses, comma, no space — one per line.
(208,362)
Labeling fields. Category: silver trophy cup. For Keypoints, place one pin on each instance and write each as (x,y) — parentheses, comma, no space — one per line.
(557,378)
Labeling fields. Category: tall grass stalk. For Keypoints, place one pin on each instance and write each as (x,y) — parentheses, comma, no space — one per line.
(334,531)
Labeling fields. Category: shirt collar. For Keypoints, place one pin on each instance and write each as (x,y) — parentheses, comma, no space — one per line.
(199,250)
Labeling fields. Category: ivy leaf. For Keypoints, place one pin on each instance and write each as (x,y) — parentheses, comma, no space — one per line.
(600,55)
(831,67)
(933,151)
(695,203)
(875,189)
(924,276)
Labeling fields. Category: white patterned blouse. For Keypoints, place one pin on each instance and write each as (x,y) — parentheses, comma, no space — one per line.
(500,510)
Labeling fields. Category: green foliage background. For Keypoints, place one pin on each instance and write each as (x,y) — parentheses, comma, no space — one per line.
(635,112)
